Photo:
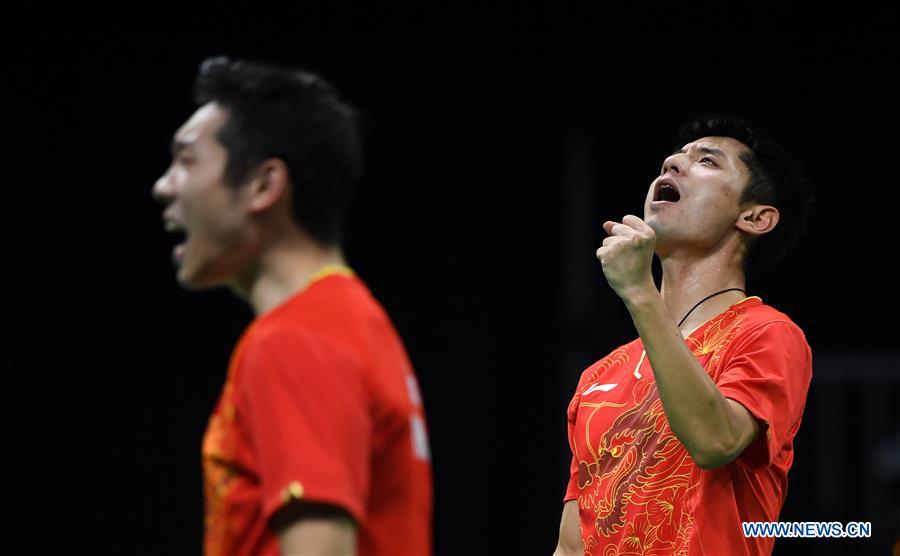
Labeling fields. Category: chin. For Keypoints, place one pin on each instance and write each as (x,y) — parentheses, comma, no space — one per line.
(664,234)
(653,222)
(195,279)
(190,283)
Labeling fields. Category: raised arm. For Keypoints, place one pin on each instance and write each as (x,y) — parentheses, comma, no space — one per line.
(714,429)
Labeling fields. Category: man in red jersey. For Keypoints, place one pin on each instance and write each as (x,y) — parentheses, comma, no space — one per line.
(683,434)
(318,443)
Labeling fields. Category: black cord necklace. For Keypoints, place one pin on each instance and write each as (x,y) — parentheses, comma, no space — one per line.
(708,297)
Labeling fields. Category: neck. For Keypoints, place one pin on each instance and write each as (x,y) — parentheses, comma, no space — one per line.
(687,280)
(284,268)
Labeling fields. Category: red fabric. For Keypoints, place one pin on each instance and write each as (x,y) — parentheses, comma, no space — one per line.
(320,404)
(638,490)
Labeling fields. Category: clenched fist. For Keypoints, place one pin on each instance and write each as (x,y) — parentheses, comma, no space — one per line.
(627,255)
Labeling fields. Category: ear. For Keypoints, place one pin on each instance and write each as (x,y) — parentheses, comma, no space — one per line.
(757,220)
(270,185)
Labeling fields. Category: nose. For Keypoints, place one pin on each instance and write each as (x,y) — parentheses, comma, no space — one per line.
(674,164)
(163,190)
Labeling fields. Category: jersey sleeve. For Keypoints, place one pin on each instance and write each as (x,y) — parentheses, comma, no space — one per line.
(768,372)
(308,421)
(572,413)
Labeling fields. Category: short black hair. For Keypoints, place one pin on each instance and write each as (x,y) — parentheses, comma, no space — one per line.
(776,178)
(298,117)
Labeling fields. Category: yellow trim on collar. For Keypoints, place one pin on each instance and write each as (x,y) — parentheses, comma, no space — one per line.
(328,270)
(748,298)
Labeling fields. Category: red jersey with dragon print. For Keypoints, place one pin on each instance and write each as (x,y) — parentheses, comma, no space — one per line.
(320,404)
(639,491)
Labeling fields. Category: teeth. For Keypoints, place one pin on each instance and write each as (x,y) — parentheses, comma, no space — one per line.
(666,193)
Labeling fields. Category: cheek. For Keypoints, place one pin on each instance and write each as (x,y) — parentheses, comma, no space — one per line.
(721,211)
(211,214)
(717,198)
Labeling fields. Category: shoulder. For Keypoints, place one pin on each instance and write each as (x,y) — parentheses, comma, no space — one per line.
(297,347)
(281,332)
(616,358)
(342,303)
(767,338)
(762,321)
(316,315)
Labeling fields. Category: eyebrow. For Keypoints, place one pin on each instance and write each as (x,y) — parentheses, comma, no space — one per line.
(179,145)
(707,150)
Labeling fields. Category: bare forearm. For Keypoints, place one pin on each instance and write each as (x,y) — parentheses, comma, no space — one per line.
(318,536)
(570,543)
(698,414)
(313,528)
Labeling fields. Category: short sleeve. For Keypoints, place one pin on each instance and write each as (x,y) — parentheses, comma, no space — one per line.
(307,418)
(768,371)
(572,413)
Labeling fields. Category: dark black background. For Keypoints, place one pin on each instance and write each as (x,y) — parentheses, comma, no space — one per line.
(462,230)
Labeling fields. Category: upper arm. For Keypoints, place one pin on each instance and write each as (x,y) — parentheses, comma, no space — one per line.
(308,528)
(569,531)
(765,380)
(306,415)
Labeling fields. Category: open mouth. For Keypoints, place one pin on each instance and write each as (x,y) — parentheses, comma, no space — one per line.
(666,192)
(180,234)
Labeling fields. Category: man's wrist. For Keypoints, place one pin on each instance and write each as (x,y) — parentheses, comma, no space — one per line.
(639,295)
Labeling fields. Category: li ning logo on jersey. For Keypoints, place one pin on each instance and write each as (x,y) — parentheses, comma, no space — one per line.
(601,387)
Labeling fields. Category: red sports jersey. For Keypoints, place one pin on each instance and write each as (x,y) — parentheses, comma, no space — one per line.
(320,404)
(638,490)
